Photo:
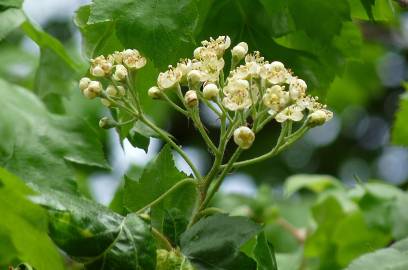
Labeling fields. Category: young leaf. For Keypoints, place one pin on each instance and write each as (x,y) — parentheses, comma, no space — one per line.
(157,178)
(264,254)
(161,29)
(214,242)
(95,236)
(37,145)
(315,183)
(392,258)
(23,228)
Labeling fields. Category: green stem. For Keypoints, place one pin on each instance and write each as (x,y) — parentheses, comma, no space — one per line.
(196,119)
(177,148)
(163,239)
(174,105)
(168,192)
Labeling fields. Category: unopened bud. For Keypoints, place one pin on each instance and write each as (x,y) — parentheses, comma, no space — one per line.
(106,102)
(111,90)
(191,98)
(239,51)
(210,91)
(107,123)
(319,117)
(244,137)
(120,73)
(194,78)
(154,92)
(97,71)
(122,90)
(93,90)
(84,83)
(89,94)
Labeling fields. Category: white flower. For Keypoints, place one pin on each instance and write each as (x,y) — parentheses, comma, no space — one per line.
(83,83)
(244,137)
(297,88)
(111,90)
(154,92)
(239,51)
(210,68)
(117,57)
(122,90)
(237,96)
(120,73)
(184,66)
(275,73)
(293,112)
(275,98)
(169,78)
(194,77)
(191,98)
(210,91)
(218,46)
(319,117)
(132,59)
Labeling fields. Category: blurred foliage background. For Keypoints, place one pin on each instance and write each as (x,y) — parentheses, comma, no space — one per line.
(352,54)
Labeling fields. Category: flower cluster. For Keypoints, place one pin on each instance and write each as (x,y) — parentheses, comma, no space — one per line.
(255,85)
(110,75)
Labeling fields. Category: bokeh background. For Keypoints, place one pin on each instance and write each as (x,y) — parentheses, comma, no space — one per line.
(356,144)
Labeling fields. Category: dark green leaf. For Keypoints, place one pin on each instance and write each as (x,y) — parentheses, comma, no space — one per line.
(161,29)
(214,242)
(400,129)
(368,6)
(138,139)
(264,253)
(174,224)
(96,236)
(38,146)
(10,19)
(23,228)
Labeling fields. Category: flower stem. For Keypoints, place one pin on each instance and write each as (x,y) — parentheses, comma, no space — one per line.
(163,239)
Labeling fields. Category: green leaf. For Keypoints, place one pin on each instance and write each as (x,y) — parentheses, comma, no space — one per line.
(368,6)
(309,15)
(175,223)
(10,19)
(39,146)
(96,236)
(214,242)
(161,29)
(392,258)
(97,38)
(157,178)
(57,71)
(264,253)
(11,3)
(281,21)
(138,139)
(400,129)
(399,217)
(23,228)
(315,183)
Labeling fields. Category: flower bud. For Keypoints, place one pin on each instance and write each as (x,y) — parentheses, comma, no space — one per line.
(154,92)
(105,102)
(97,71)
(319,117)
(89,94)
(191,98)
(107,123)
(120,73)
(93,90)
(244,137)
(239,51)
(83,83)
(122,90)
(111,90)
(210,91)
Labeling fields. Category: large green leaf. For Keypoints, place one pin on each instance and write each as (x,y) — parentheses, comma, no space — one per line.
(96,236)
(38,146)
(157,178)
(11,3)
(264,254)
(161,29)
(214,243)
(10,19)
(97,38)
(57,71)
(23,228)
(392,258)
